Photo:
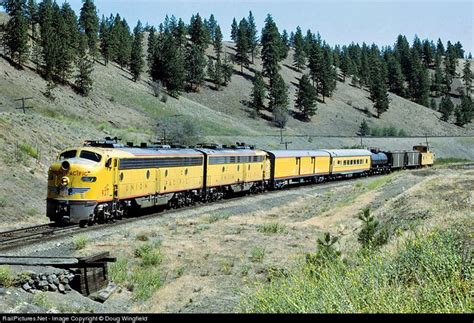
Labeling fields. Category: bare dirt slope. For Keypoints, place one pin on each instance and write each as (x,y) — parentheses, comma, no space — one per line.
(211,254)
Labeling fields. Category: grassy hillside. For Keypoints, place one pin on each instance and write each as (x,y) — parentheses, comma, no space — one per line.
(120,107)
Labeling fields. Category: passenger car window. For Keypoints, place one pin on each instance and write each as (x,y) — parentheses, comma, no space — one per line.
(90,155)
(68,154)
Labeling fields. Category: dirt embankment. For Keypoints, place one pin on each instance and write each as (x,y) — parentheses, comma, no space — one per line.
(212,253)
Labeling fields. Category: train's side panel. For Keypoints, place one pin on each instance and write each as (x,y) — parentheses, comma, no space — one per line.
(175,179)
(286,167)
(227,169)
(322,166)
(412,158)
(136,182)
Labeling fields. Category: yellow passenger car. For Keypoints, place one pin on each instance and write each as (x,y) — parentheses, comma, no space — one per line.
(349,161)
(297,165)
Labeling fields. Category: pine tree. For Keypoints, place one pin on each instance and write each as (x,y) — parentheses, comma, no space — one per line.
(437,84)
(233,32)
(16,32)
(446,108)
(299,56)
(464,112)
(218,76)
(433,105)
(271,48)
(227,70)
(123,42)
(85,66)
(427,53)
(173,66)
(198,32)
(258,93)
(68,32)
(395,77)
(467,76)
(328,75)
(32,15)
(179,34)
(440,48)
(136,58)
(152,46)
(278,95)
(252,35)
(346,64)
(306,98)
(195,63)
(49,38)
(364,129)
(217,42)
(316,65)
(242,45)
(378,92)
(89,22)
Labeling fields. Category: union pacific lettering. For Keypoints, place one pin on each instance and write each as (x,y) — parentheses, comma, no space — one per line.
(71,173)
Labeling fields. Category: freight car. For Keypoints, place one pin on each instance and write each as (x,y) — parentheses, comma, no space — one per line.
(104,180)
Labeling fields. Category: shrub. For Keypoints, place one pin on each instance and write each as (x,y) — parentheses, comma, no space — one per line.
(3,202)
(119,270)
(257,254)
(146,280)
(80,242)
(149,254)
(6,276)
(270,228)
(29,150)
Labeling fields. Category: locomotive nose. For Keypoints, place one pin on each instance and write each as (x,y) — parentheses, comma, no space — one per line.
(65,165)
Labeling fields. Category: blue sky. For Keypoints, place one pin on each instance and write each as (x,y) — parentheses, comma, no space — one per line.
(339,22)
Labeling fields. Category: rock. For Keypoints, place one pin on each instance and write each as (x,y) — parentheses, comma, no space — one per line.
(64,281)
(61,288)
(52,287)
(3,291)
(42,283)
(31,282)
(43,277)
(67,288)
(26,286)
(55,280)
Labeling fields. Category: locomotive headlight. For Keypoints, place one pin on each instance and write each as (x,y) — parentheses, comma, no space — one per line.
(64,181)
(65,165)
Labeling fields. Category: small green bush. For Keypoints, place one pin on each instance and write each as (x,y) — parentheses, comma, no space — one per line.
(119,270)
(3,202)
(146,281)
(6,276)
(270,228)
(257,254)
(29,150)
(80,242)
(149,254)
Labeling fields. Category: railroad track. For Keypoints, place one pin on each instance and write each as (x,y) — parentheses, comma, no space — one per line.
(31,234)
(28,235)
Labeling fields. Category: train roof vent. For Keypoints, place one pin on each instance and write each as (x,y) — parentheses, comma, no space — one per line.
(159,146)
(208,146)
(242,145)
(108,142)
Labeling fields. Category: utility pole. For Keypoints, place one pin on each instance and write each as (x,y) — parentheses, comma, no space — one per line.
(23,107)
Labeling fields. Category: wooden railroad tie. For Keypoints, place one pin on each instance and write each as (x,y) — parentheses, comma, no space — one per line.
(91,271)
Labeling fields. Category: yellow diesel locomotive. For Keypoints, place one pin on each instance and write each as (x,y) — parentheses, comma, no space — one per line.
(104,180)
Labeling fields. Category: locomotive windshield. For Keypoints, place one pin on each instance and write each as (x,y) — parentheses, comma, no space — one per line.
(68,154)
(90,155)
